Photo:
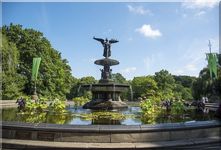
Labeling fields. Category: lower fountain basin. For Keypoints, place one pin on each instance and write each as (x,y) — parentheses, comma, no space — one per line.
(94,135)
(29,135)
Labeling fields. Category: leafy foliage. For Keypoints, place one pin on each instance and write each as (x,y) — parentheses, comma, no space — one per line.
(165,84)
(144,86)
(43,104)
(76,89)
(119,78)
(104,115)
(177,108)
(165,89)
(57,106)
(36,106)
(185,81)
(19,47)
(80,101)
(12,82)
(204,86)
(151,107)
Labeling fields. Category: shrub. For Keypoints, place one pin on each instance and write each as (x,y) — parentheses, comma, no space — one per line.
(79,101)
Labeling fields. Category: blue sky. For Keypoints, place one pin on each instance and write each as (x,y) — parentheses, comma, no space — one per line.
(152,36)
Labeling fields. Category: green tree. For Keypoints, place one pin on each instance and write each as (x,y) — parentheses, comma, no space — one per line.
(87,80)
(185,81)
(74,89)
(181,92)
(144,86)
(165,83)
(78,90)
(12,82)
(204,86)
(55,77)
(119,78)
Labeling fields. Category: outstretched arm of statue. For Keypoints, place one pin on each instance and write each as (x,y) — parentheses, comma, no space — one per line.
(99,39)
(113,41)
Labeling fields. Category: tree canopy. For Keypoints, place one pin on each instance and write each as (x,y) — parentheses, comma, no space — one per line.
(21,46)
(119,78)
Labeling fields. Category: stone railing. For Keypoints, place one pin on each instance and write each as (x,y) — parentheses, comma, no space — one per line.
(111,133)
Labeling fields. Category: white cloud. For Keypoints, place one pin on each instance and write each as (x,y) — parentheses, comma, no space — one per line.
(190,67)
(147,31)
(200,4)
(200,13)
(129,70)
(139,10)
(200,7)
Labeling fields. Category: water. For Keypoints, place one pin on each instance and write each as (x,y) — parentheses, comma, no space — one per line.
(80,116)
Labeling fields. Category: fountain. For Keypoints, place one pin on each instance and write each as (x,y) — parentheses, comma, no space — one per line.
(106,93)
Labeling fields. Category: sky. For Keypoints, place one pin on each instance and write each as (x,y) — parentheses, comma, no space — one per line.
(152,35)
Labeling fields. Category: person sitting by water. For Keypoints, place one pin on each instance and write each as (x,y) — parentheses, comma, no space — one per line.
(21,103)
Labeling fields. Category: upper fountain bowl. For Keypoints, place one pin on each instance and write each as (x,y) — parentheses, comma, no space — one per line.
(106,61)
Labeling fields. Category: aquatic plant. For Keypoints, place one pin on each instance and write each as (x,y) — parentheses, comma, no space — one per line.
(104,115)
(177,107)
(150,109)
(39,105)
(153,108)
(43,104)
(57,106)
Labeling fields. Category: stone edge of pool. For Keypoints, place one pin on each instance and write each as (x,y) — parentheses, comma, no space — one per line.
(110,133)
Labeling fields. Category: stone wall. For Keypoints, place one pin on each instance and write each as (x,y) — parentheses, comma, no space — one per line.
(111,133)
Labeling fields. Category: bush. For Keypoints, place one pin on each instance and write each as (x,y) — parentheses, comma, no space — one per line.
(57,106)
(36,106)
(80,101)
(42,105)
(150,109)
(177,108)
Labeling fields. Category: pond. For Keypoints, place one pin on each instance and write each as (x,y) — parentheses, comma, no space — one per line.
(79,116)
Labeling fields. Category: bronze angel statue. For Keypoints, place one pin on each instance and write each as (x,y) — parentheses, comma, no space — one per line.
(107,45)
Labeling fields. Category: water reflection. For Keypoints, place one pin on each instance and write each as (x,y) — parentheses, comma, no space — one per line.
(79,116)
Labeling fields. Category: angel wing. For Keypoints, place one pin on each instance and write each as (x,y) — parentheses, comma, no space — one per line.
(113,41)
(98,39)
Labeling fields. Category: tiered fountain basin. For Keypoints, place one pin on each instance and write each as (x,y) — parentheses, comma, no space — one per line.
(106,61)
(106,95)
